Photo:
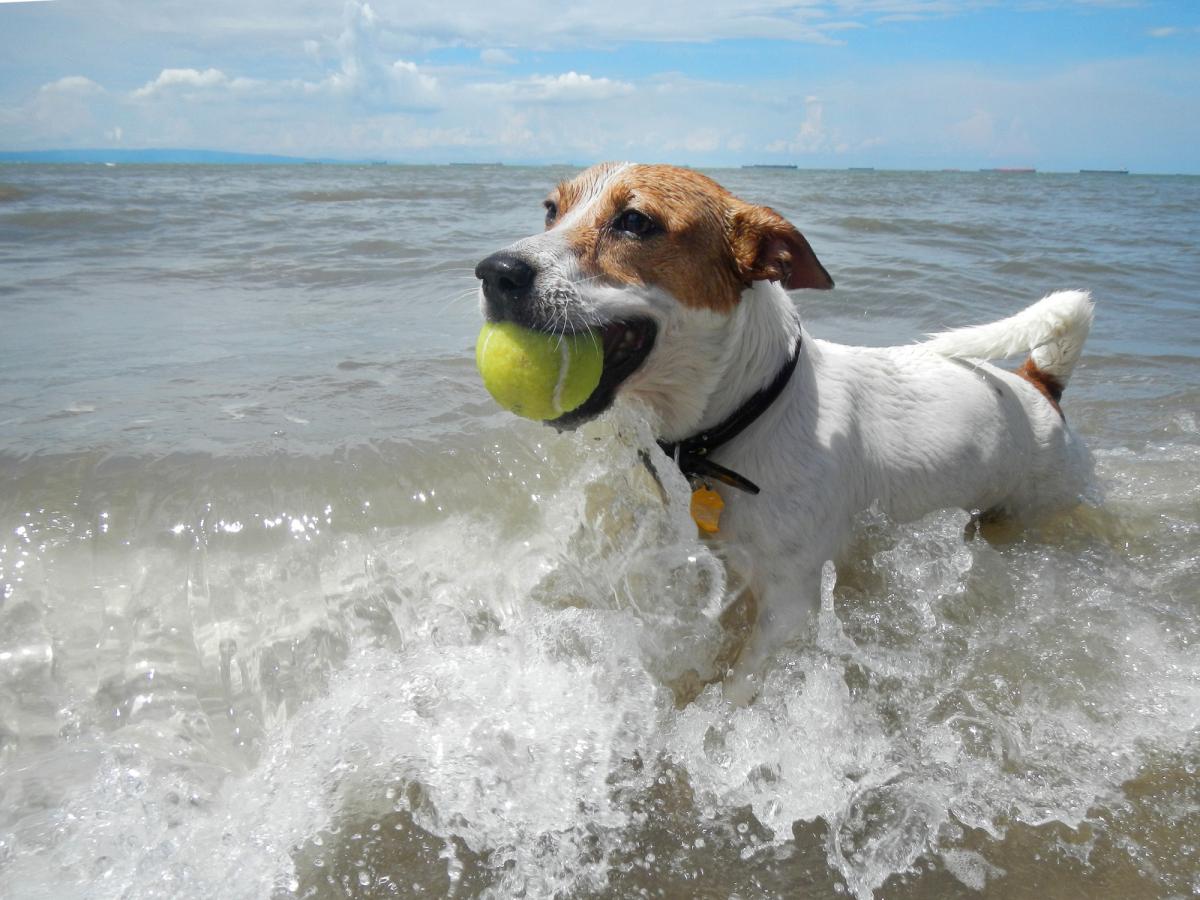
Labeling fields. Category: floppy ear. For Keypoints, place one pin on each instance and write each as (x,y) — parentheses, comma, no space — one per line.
(766,246)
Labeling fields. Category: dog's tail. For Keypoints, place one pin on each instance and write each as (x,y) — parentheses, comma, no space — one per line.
(1054,329)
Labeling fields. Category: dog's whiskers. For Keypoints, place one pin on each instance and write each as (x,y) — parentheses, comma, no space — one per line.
(463,296)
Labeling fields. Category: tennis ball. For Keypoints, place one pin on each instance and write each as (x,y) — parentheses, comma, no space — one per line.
(538,375)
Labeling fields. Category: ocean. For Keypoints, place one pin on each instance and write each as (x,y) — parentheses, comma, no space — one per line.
(290,608)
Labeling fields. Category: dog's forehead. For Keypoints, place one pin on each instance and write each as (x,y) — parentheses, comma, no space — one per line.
(587,186)
(673,193)
(690,259)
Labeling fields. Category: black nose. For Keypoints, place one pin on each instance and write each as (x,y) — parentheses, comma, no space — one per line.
(507,280)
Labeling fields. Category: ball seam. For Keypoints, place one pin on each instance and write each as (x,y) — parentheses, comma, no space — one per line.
(564,369)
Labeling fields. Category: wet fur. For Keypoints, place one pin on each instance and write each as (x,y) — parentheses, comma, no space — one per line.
(911,428)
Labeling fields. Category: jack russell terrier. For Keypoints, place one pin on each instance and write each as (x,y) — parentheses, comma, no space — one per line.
(793,436)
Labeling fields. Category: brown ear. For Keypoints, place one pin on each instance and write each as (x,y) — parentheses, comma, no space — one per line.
(766,246)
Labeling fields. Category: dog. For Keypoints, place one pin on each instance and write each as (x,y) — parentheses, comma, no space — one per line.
(687,287)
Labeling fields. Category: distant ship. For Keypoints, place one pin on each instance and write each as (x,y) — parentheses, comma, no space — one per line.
(1103,171)
(1007,170)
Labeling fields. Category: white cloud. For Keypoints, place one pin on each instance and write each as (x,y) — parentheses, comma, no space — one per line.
(399,85)
(1164,32)
(181,79)
(72,84)
(366,75)
(321,78)
(416,25)
(570,87)
(61,109)
(812,137)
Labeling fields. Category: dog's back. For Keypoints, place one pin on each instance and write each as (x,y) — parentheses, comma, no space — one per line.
(935,425)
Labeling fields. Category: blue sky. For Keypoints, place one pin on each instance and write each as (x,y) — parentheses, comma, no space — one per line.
(1055,84)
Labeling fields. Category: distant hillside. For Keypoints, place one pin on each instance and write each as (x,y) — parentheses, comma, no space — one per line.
(212,157)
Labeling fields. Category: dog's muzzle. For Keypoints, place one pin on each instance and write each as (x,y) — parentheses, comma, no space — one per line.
(507,286)
(511,295)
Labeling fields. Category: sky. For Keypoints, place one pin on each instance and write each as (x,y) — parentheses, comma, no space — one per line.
(925,84)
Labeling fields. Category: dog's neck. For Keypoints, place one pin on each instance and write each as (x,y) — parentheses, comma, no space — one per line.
(715,361)
(761,338)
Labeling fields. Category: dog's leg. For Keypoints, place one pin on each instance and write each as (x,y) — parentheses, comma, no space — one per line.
(737,624)
(787,611)
(995,526)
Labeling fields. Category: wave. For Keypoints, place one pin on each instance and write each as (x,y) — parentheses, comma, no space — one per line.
(494,668)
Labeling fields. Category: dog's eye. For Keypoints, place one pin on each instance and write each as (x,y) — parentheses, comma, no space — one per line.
(551,212)
(635,223)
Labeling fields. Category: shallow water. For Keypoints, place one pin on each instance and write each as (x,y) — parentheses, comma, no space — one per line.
(289,608)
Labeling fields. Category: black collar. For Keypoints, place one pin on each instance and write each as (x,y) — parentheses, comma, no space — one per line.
(691,454)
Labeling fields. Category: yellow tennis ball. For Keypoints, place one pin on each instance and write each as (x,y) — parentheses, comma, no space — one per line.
(538,375)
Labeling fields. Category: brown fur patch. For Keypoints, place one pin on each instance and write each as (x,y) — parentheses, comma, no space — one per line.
(1049,386)
(767,246)
(568,194)
(690,258)
(710,247)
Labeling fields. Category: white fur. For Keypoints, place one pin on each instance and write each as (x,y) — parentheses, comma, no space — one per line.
(1054,328)
(910,428)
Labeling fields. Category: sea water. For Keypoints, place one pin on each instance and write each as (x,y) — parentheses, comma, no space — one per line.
(288,607)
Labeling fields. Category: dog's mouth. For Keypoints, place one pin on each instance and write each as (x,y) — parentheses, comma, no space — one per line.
(627,343)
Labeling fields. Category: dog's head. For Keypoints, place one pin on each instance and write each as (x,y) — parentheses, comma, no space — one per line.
(656,259)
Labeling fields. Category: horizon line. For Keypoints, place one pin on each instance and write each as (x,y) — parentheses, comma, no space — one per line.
(199,156)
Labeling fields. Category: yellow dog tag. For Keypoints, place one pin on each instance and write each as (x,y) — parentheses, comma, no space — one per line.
(706,509)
